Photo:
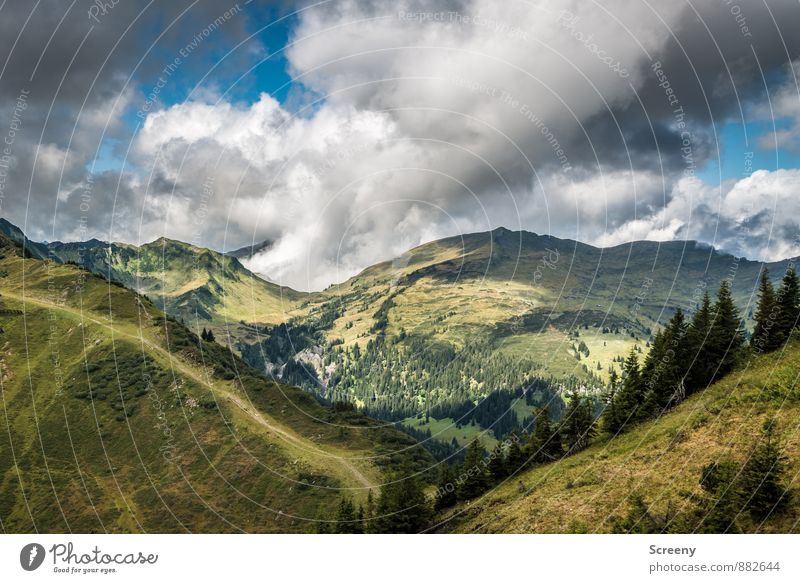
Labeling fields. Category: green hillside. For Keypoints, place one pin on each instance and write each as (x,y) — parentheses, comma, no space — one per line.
(199,285)
(452,322)
(119,419)
(660,461)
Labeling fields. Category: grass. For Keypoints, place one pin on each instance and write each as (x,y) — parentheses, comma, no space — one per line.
(661,460)
(446,430)
(118,419)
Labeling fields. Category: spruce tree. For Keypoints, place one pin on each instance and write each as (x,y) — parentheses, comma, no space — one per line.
(697,337)
(725,338)
(762,476)
(445,488)
(204,334)
(665,368)
(577,425)
(722,503)
(497,464)
(475,478)
(516,458)
(628,399)
(402,505)
(544,445)
(767,332)
(346,519)
(788,304)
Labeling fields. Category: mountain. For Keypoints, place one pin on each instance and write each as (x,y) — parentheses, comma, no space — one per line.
(15,234)
(201,286)
(661,461)
(117,418)
(429,336)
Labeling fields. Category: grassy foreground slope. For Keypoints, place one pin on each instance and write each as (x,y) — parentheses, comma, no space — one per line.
(116,418)
(661,460)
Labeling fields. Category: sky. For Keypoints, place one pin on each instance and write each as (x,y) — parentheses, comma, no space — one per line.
(348,131)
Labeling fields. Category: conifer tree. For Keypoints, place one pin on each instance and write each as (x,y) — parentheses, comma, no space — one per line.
(577,425)
(628,398)
(402,505)
(204,334)
(762,476)
(516,457)
(210,336)
(767,332)
(497,464)
(697,338)
(665,367)
(445,488)
(725,338)
(788,304)
(544,444)
(475,479)
(346,519)
(722,502)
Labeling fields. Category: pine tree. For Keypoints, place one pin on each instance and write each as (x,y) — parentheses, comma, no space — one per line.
(204,334)
(544,444)
(725,338)
(516,458)
(497,464)
(788,304)
(762,476)
(767,333)
(665,368)
(722,502)
(701,369)
(577,425)
(445,488)
(402,505)
(628,399)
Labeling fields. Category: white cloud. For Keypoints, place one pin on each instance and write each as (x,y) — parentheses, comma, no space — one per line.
(433,123)
(754,217)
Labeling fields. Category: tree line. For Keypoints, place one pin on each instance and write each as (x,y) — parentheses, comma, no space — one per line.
(686,356)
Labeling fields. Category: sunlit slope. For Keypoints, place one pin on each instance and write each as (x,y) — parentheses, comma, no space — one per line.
(661,460)
(116,418)
(526,291)
(197,284)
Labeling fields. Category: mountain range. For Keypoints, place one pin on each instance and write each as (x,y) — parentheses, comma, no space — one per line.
(503,306)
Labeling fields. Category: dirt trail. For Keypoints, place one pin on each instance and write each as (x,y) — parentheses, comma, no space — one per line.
(248,409)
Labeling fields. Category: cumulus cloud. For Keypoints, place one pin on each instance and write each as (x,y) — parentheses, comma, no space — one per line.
(416,120)
(754,217)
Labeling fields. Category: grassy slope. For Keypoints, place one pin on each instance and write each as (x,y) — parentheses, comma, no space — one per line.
(192,282)
(661,459)
(91,445)
(481,284)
